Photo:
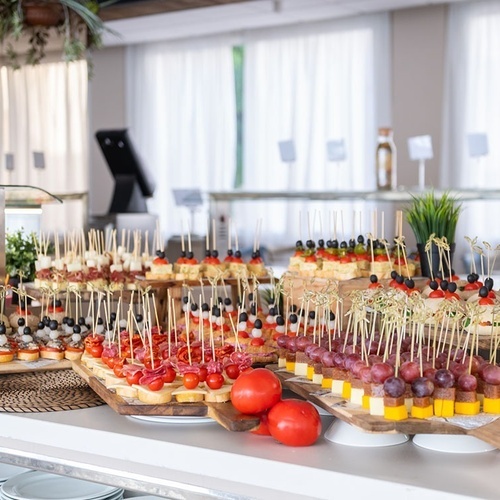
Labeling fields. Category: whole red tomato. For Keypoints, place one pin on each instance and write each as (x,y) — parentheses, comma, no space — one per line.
(263,428)
(256,391)
(215,380)
(133,378)
(294,422)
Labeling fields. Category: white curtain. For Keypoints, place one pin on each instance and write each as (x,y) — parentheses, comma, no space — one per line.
(310,84)
(181,110)
(44,109)
(472,105)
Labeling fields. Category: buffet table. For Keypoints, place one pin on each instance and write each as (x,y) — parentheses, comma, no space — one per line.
(205,461)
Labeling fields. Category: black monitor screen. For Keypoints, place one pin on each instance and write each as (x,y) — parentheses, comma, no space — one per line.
(122,159)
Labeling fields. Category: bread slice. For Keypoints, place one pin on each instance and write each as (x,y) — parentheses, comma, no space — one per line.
(150,397)
(73,355)
(57,355)
(6,356)
(28,354)
(124,390)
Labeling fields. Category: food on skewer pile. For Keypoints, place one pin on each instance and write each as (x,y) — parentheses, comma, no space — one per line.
(402,353)
(355,258)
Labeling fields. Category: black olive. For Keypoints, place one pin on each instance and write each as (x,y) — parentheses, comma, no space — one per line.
(483,292)
(293,308)
(77,329)
(160,254)
(332,316)
(46,320)
(139,317)
(58,303)
(352,242)
(3,329)
(299,244)
(237,254)
(100,321)
(230,252)
(293,318)
(112,316)
(258,323)
(312,314)
(26,330)
(321,243)
(253,309)
(374,278)
(488,283)
(70,322)
(207,253)
(433,285)
(361,239)
(335,244)
(272,311)
(81,321)
(40,325)
(280,321)
(185,300)
(399,279)
(444,285)
(215,254)
(53,324)
(205,307)
(227,301)
(329,244)
(476,276)
(310,244)
(452,287)
(194,306)
(394,274)
(183,254)
(409,283)
(216,312)
(343,244)
(471,278)
(190,255)
(243,317)
(250,296)
(65,320)
(21,322)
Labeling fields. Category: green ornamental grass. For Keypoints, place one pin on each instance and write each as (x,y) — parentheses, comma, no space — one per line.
(429,214)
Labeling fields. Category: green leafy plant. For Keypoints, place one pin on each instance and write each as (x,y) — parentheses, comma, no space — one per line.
(429,214)
(20,254)
(76,22)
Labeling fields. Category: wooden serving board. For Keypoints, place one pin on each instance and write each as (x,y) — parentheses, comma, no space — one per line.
(224,413)
(337,406)
(17,366)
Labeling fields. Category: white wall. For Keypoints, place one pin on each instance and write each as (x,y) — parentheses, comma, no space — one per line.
(107,110)
(418,51)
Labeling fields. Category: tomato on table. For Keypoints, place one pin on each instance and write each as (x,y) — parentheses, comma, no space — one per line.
(294,422)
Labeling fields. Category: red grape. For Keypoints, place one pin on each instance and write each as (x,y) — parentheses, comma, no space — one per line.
(409,371)
(467,382)
(357,367)
(394,387)
(381,372)
(422,387)
(458,369)
(491,374)
(315,354)
(327,359)
(350,360)
(291,344)
(303,342)
(430,373)
(281,341)
(444,378)
(365,374)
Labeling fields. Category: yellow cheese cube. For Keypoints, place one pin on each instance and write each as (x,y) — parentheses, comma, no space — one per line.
(326,383)
(422,412)
(310,372)
(444,407)
(365,403)
(290,366)
(346,390)
(467,408)
(395,412)
(491,405)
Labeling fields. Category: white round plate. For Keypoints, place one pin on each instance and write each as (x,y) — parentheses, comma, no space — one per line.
(44,486)
(160,419)
(7,471)
(343,433)
(451,443)
(146,497)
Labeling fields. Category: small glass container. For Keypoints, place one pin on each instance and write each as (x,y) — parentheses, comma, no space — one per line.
(386,160)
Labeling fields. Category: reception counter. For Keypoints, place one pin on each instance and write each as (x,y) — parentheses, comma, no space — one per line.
(203,460)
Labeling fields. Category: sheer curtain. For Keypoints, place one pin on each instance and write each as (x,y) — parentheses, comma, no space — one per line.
(44,109)
(312,83)
(472,105)
(182,115)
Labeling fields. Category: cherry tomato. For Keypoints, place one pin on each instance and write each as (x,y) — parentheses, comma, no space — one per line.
(133,378)
(169,375)
(243,335)
(118,368)
(263,428)
(190,380)
(256,391)
(96,350)
(149,364)
(232,371)
(156,384)
(215,380)
(203,373)
(294,422)
(257,341)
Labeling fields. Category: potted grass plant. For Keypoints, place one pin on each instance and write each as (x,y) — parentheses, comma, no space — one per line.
(432,217)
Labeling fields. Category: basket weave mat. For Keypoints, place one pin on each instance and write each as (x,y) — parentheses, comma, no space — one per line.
(45,391)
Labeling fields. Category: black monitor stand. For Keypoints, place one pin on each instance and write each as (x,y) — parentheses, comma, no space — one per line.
(127,196)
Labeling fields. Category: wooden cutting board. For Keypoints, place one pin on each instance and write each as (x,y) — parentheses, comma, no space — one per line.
(224,413)
(17,366)
(489,433)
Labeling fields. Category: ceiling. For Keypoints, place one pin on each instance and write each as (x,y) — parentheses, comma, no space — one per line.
(139,21)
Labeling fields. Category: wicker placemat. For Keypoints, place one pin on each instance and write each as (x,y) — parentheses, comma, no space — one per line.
(45,391)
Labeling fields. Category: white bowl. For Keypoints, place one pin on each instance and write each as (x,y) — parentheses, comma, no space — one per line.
(451,443)
(343,433)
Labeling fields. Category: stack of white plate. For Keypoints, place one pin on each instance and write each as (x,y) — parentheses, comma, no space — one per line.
(37,485)
(7,471)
